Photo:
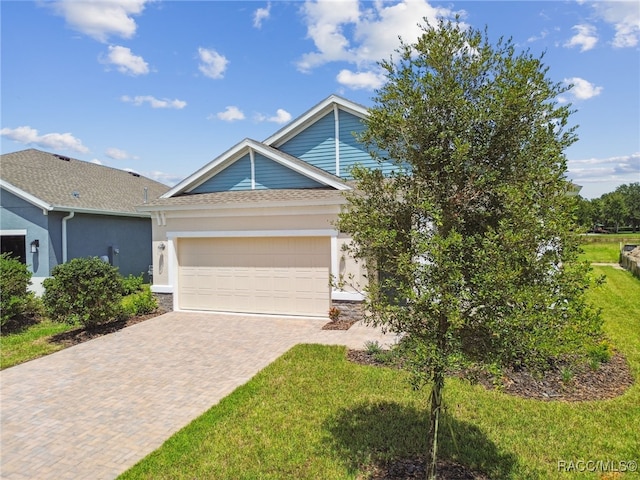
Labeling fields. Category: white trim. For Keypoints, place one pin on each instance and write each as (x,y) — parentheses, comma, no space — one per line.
(258,315)
(162,288)
(335,262)
(252,233)
(340,295)
(336,120)
(312,115)
(25,195)
(172,269)
(236,153)
(15,233)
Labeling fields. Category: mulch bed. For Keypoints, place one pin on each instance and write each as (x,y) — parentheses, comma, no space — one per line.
(410,468)
(610,380)
(82,334)
(340,324)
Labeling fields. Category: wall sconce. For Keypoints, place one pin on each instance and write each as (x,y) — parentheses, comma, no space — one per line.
(161,246)
(34,246)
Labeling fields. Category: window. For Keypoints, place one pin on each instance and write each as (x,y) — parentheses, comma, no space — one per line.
(15,245)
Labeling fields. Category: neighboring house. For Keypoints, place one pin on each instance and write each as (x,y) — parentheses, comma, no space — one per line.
(254,230)
(54,208)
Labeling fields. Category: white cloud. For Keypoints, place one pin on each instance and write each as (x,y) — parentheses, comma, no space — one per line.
(56,141)
(625,18)
(96,161)
(118,154)
(170,179)
(582,89)
(360,80)
(260,15)
(230,114)
(362,33)
(281,116)
(604,172)
(101,19)
(213,65)
(585,38)
(125,61)
(154,102)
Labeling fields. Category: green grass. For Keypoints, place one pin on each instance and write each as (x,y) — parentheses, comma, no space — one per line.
(313,414)
(601,252)
(30,343)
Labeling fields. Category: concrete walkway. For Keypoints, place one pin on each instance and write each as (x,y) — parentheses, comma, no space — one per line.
(94,410)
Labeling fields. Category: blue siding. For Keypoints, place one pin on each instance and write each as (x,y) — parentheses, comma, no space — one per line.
(315,144)
(270,175)
(236,176)
(351,151)
(18,214)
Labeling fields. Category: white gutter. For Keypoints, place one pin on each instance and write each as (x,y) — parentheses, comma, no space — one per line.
(64,235)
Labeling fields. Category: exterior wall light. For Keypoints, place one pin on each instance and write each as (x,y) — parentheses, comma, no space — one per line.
(34,246)
(161,246)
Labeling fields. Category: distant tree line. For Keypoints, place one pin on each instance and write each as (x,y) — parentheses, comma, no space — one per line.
(613,211)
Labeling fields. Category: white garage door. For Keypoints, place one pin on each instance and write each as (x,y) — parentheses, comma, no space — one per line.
(279,275)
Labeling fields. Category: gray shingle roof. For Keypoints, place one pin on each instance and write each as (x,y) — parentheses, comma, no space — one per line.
(66,183)
(248,197)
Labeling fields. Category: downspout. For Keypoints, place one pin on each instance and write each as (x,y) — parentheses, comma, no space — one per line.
(64,235)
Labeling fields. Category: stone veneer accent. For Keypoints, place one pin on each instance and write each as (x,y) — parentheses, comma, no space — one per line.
(349,309)
(165,301)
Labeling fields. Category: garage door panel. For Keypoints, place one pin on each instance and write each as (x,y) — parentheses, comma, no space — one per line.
(279,275)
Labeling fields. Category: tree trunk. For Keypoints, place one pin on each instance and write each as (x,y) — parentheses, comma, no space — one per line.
(434,421)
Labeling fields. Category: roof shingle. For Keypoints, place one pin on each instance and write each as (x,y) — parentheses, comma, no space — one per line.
(66,183)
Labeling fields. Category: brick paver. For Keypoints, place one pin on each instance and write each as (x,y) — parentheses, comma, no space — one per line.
(93,410)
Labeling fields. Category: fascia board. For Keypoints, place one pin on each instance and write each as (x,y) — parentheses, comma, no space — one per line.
(26,196)
(96,211)
(312,115)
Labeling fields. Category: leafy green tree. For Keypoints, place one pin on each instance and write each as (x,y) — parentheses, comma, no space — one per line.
(585,213)
(469,243)
(631,198)
(613,209)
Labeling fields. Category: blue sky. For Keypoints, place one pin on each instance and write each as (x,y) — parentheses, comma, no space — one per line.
(163,87)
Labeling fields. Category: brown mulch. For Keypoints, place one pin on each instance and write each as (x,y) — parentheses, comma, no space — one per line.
(610,380)
(82,334)
(340,324)
(410,468)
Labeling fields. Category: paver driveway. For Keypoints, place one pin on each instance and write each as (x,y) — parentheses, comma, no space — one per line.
(93,410)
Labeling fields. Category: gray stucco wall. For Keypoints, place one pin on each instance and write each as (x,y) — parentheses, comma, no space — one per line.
(87,235)
(103,235)
(17,214)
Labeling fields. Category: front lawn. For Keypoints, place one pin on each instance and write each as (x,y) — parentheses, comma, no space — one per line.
(313,414)
(32,342)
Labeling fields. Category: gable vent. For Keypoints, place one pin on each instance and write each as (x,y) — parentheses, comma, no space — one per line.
(62,157)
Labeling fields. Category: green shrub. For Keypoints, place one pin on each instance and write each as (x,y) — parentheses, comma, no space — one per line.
(15,299)
(84,290)
(140,303)
(132,284)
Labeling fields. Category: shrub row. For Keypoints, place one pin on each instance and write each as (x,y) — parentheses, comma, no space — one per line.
(88,291)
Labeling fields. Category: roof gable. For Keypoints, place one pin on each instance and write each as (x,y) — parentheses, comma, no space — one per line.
(247,166)
(314,114)
(56,182)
